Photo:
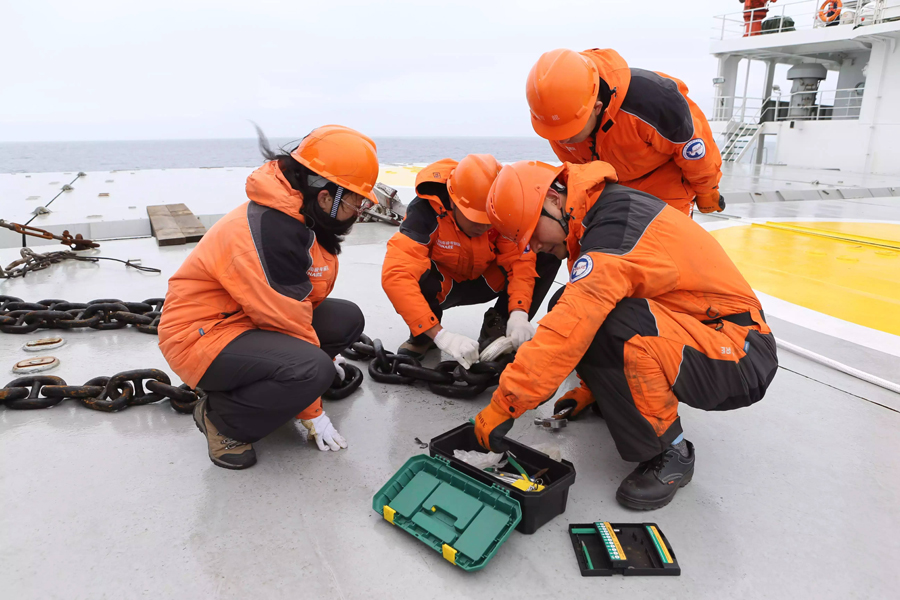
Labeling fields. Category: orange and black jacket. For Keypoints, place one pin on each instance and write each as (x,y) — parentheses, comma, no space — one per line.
(653,135)
(259,267)
(429,233)
(630,245)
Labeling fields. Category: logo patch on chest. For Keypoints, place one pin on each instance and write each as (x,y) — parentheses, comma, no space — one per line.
(694,150)
(447,244)
(317,271)
(582,268)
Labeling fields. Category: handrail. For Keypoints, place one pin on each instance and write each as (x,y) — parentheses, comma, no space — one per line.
(804,13)
(830,104)
(739,128)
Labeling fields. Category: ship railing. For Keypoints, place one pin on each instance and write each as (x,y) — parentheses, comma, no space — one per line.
(791,16)
(826,105)
(746,116)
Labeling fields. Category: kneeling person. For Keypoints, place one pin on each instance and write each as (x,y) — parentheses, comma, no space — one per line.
(247,316)
(654,314)
(447,255)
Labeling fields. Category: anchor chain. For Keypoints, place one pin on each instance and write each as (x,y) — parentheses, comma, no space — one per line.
(447,379)
(18,316)
(128,388)
(107,394)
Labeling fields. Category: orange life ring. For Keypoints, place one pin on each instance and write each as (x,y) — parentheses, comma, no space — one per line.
(830,10)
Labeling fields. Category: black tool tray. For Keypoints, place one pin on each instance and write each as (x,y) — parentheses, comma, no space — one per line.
(537,507)
(622,549)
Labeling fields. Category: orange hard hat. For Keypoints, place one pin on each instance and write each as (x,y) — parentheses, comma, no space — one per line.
(515,201)
(561,90)
(469,184)
(343,156)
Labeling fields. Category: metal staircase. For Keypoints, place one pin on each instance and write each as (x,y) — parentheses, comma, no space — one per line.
(739,137)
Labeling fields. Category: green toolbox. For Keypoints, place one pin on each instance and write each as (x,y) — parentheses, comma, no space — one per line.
(460,518)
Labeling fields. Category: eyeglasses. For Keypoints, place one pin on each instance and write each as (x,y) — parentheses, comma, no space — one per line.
(357,209)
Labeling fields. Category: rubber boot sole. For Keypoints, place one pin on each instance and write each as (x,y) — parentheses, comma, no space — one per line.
(202,427)
(638,504)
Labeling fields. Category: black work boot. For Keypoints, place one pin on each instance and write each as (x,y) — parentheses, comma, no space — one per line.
(223,451)
(417,346)
(654,483)
(494,327)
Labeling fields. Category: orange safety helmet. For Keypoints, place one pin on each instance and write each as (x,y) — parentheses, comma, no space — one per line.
(561,90)
(342,155)
(515,201)
(469,184)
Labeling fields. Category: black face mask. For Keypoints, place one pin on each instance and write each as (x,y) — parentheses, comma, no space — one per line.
(328,223)
(329,231)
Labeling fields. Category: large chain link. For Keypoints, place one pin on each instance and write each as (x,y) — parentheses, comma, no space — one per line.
(112,394)
(447,379)
(107,394)
(18,316)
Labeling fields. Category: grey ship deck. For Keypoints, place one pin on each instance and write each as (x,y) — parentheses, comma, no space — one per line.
(797,496)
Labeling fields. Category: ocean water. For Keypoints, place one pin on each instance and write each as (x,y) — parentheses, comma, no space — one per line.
(35,157)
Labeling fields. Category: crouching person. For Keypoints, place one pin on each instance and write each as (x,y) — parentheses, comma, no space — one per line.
(654,314)
(247,316)
(446,254)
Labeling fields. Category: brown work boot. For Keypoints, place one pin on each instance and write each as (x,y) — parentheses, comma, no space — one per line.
(418,350)
(223,451)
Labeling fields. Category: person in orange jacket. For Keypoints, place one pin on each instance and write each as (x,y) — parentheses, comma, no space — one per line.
(247,315)
(654,314)
(447,255)
(592,106)
(754,13)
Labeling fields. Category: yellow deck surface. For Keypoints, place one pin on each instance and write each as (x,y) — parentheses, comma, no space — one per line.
(394,175)
(847,270)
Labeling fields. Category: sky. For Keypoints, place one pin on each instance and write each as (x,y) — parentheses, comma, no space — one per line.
(114,70)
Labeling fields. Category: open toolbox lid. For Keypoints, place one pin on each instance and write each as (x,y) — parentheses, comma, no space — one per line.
(460,518)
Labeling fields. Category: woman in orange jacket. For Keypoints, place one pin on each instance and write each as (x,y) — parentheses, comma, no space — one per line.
(447,255)
(247,316)
(592,106)
(654,314)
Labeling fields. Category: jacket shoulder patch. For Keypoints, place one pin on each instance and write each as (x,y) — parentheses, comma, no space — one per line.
(656,101)
(582,268)
(420,222)
(282,244)
(694,150)
(618,220)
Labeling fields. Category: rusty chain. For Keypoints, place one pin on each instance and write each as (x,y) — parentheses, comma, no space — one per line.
(447,379)
(107,394)
(76,242)
(17,316)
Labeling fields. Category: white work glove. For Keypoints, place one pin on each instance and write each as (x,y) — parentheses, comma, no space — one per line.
(518,329)
(338,362)
(323,432)
(463,350)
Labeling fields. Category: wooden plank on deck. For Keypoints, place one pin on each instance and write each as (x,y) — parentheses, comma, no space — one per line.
(173,224)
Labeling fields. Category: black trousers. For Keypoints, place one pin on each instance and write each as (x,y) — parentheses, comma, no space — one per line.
(643,429)
(262,379)
(477,291)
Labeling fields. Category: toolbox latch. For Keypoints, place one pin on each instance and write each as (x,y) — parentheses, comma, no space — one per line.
(388,513)
(449,553)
